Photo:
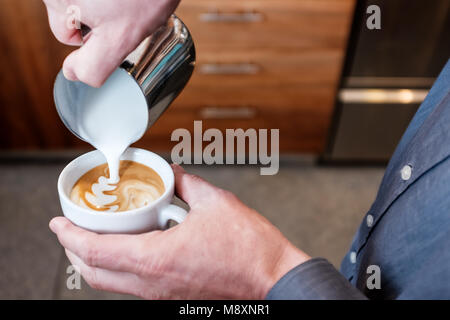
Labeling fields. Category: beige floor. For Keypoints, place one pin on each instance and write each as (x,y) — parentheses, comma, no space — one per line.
(317,208)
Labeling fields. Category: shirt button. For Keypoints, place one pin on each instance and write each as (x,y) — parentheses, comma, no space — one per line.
(406,172)
(353,257)
(369,220)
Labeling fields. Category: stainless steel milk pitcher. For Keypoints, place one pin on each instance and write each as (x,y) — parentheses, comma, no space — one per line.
(162,65)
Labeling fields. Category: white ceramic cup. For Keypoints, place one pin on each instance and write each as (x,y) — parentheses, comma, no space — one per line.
(154,216)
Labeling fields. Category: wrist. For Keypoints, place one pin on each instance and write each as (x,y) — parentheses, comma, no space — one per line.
(288,259)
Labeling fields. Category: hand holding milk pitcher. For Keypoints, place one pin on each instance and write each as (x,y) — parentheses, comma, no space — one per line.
(118,28)
(133,191)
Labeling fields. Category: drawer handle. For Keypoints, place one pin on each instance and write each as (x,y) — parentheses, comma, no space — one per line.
(363,96)
(227,113)
(246,17)
(229,68)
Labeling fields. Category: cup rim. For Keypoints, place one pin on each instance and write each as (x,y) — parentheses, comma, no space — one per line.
(136,211)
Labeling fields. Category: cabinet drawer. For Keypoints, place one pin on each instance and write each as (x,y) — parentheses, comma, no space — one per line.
(268,67)
(219,24)
(311,99)
(300,130)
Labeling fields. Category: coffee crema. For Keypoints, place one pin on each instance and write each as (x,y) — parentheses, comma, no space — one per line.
(138,186)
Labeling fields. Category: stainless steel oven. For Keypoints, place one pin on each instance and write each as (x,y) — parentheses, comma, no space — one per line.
(386,76)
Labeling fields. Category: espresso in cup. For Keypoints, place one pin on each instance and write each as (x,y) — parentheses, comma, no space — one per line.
(154,216)
(139,186)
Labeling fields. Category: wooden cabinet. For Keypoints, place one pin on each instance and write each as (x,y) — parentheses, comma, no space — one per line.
(271,64)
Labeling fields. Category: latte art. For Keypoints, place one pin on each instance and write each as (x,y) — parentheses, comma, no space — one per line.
(138,186)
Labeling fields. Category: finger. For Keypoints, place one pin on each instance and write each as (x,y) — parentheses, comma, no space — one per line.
(60,28)
(102,279)
(191,188)
(58,4)
(112,252)
(99,56)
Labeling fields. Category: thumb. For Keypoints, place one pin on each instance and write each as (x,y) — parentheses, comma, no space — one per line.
(96,60)
(191,188)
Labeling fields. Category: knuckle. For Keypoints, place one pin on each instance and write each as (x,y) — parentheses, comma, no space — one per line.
(75,69)
(152,267)
(225,194)
(84,75)
(91,257)
(137,266)
(91,278)
(193,177)
(89,253)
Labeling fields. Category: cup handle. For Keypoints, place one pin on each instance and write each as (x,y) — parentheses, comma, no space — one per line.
(171,212)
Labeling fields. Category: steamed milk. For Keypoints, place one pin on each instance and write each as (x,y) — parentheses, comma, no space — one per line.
(111,118)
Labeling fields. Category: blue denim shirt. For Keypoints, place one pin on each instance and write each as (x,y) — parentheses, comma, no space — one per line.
(406,233)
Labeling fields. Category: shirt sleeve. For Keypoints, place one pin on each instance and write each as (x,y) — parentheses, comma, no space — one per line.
(315,279)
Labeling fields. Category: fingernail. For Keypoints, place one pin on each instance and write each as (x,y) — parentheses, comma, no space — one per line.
(177,167)
(53,225)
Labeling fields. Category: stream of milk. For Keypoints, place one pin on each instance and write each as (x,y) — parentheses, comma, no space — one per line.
(111,118)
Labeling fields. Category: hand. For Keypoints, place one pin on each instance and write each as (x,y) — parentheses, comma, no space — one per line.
(117,28)
(222,250)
